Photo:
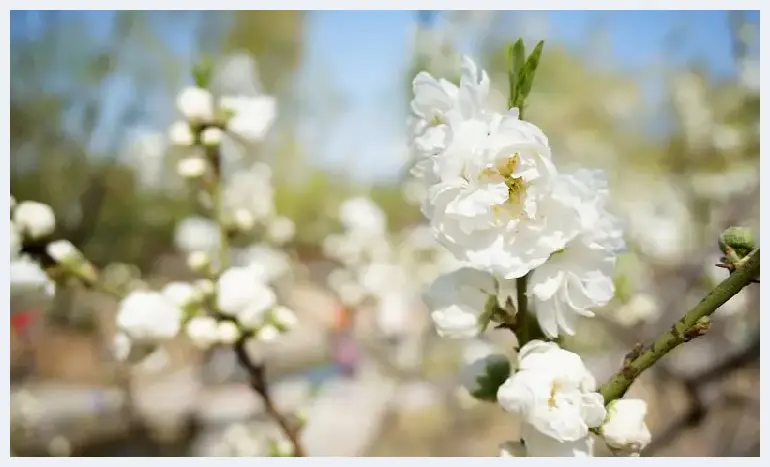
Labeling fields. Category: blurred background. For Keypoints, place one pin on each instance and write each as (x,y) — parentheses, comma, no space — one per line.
(666,102)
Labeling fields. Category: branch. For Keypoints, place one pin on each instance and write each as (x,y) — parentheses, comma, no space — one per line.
(258,383)
(693,324)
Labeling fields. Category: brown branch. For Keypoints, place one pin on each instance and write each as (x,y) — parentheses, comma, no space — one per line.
(258,382)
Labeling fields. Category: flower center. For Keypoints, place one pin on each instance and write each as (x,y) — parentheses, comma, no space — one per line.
(555,387)
(513,207)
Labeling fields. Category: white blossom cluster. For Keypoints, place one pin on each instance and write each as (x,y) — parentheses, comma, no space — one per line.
(30,286)
(32,246)
(497,202)
(387,271)
(227,304)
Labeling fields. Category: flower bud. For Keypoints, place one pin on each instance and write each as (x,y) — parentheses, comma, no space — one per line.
(228,332)
(191,167)
(624,429)
(211,136)
(198,261)
(243,220)
(738,239)
(484,376)
(72,260)
(34,220)
(280,448)
(196,104)
(283,318)
(182,294)
(268,332)
(180,134)
(202,331)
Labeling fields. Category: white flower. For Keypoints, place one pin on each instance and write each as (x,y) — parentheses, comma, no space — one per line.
(494,206)
(181,294)
(29,284)
(513,449)
(191,167)
(569,284)
(458,299)
(33,219)
(591,199)
(362,215)
(227,332)
(541,445)
(243,220)
(147,315)
(196,104)
(394,314)
(242,294)
(202,331)
(642,307)
(197,234)
(180,134)
(280,229)
(270,263)
(198,260)
(624,429)
(63,251)
(284,318)
(268,333)
(252,116)
(252,190)
(211,136)
(553,392)
(579,277)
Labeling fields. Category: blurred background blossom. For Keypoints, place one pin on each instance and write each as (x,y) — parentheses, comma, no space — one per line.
(666,102)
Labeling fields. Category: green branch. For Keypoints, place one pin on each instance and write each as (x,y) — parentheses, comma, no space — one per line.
(694,323)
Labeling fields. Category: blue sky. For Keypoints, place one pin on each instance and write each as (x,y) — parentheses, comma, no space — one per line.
(366,54)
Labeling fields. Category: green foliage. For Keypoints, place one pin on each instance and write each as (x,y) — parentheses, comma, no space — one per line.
(521,73)
(497,370)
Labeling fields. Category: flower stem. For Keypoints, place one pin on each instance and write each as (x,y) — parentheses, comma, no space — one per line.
(522,327)
(219,212)
(693,324)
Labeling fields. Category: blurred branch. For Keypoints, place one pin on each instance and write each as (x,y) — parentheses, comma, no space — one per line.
(258,383)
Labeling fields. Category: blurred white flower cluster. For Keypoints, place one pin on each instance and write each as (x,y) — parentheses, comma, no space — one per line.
(497,202)
(388,271)
(235,298)
(34,253)
(30,286)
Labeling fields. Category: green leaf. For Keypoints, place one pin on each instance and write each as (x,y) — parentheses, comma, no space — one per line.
(516,62)
(202,72)
(527,74)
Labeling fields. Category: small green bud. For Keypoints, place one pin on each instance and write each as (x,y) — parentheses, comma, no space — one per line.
(280,448)
(484,376)
(202,72)
(739,240)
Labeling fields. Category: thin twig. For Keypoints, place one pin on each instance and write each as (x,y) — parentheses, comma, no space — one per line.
(259,384)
